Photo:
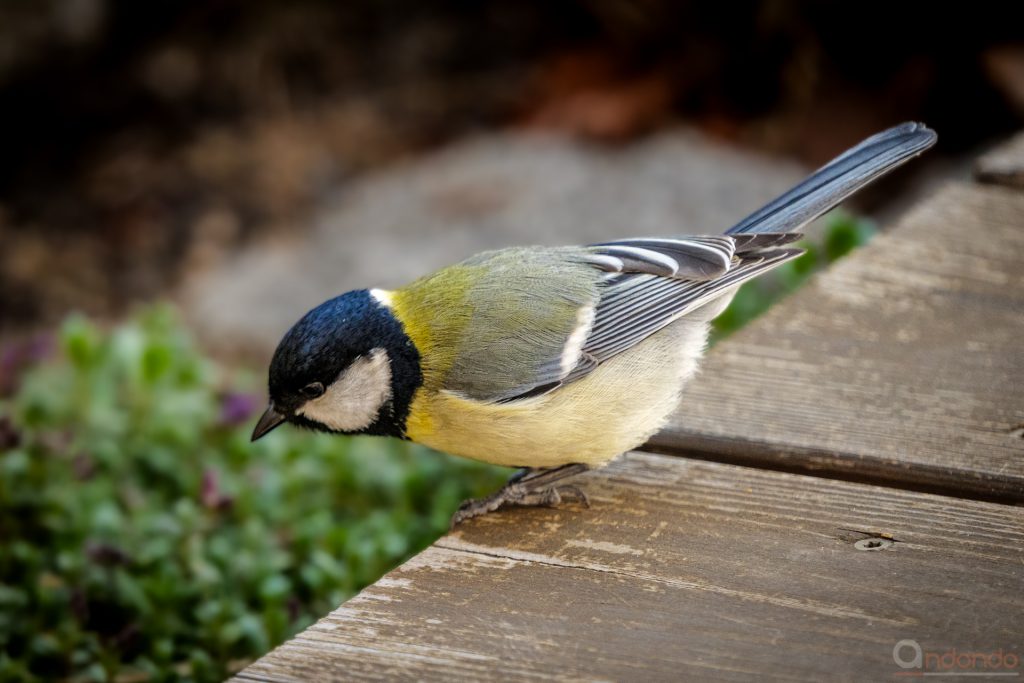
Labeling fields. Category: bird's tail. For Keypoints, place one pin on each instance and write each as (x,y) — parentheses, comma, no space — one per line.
(838,179)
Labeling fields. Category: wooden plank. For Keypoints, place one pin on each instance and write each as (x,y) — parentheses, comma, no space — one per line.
(1004,165)
(684,569)
(902,364)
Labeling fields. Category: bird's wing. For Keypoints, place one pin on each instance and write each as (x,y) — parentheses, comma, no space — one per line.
(647,293)
(636,302)
(563,321)
(556,330)
(500,323)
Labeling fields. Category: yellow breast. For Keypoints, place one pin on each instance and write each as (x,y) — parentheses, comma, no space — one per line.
(615,408)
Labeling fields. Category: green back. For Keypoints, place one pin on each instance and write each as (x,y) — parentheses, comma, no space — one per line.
(495,325)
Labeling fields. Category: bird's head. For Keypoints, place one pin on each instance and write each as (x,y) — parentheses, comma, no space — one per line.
(347,366)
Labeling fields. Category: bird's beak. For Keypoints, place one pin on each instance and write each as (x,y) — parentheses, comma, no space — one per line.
(268,421)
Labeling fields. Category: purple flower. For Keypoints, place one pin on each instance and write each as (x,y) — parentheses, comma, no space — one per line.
(39,347)
(236,408)
(211,495)
(16,356)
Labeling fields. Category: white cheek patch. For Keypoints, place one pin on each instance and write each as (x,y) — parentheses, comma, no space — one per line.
(353,401)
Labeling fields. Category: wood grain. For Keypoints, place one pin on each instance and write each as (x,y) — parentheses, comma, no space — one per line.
(683,569)
(1004,165)
(902,364)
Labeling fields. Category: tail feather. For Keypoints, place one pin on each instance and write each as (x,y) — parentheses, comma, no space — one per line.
(840,178)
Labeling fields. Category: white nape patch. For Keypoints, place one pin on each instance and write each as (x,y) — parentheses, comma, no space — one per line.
(573,349)
(383,297)
(353,401)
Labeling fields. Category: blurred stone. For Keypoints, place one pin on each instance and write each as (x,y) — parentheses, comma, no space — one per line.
(1003,165)
(213,232)
(494,191)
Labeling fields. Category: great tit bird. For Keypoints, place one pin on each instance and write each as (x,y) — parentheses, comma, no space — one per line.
(554,360)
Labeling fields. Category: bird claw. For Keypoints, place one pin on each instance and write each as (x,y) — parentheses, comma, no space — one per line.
(474,507)
(518,492)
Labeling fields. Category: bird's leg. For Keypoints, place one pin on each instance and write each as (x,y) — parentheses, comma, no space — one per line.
(528,487)
(520,473)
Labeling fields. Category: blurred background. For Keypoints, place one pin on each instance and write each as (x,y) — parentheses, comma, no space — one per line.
(246,160)
(147,144)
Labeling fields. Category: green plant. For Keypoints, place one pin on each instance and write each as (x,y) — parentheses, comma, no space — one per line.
(142,537)
(843,233)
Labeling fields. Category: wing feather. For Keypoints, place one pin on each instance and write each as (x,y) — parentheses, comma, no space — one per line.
(698,257)
(652,283)
(657,304)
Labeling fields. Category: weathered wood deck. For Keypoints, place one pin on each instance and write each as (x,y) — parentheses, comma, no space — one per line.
(895,379)
(902,365)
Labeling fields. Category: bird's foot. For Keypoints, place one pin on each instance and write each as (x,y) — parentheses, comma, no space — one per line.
(525,489)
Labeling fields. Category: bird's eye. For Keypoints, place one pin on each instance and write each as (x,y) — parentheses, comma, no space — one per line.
(312,390)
